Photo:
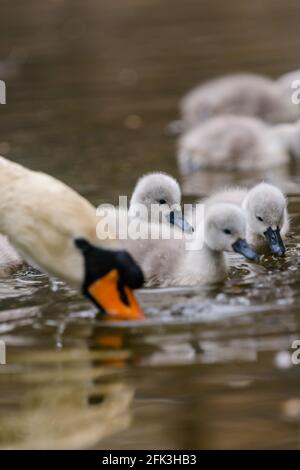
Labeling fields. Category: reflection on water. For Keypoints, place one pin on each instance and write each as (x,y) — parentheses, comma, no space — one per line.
(68,400)
(92,87)
(210,181)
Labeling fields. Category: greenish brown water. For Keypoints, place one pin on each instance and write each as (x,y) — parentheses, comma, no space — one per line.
(91,88)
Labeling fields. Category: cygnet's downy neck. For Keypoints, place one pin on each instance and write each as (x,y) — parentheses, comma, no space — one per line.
(203,262)
(251,236)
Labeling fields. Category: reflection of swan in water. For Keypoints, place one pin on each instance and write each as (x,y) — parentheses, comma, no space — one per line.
(58,401)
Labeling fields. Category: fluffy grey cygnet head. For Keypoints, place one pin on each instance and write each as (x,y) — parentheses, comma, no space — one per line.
(157,197)
(266,210)
(225,230)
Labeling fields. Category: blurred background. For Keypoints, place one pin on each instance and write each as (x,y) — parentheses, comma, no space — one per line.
(91,87)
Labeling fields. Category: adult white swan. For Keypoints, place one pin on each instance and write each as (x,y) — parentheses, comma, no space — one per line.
(54,228)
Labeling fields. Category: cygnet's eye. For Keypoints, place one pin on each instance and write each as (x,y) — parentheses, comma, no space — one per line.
(259,218)
(227,231)
(162,201)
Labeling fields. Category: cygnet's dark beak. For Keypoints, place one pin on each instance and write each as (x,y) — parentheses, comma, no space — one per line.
(241,246)
(176,218)
(274,241)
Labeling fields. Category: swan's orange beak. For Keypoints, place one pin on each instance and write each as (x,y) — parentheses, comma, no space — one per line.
(116,300)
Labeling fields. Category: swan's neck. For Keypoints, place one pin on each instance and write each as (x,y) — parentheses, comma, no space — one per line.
(204,264)
(10,174)
(10,169)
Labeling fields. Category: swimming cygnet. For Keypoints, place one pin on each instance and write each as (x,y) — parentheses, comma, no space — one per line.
(266,212)
(237,143)
(156,198)
(200,260)
(242,94)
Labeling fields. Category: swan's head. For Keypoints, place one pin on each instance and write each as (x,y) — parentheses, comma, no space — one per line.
(157,198)
(266,210)
(110,276)
(225,230)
